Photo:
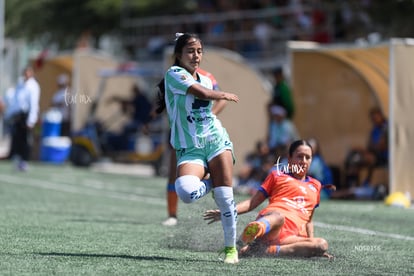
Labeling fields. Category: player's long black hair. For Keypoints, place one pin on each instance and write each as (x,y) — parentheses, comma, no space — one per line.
(181,41)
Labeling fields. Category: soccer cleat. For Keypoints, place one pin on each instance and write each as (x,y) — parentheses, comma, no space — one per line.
(252,231)
(232,256)
(171,221)
(22,166)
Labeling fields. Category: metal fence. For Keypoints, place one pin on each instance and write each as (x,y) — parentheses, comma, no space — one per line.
(258,35)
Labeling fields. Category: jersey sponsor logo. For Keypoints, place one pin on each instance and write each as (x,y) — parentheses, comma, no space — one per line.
(297,202)
(312,187)
(190,119)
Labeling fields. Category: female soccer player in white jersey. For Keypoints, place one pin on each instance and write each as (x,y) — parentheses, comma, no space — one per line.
(172,197)
(284,227)
(200,141)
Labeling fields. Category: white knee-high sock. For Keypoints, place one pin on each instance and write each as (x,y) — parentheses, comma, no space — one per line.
(208,184)
(189,188)
(223,196)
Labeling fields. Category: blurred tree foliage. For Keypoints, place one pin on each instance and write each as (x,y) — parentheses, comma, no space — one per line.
(393,17)
(64,21)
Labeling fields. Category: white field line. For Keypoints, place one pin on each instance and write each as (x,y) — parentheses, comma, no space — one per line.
(61,187)
(361,231)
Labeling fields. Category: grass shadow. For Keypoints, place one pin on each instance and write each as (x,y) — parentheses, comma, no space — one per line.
(121,256)
(106,221)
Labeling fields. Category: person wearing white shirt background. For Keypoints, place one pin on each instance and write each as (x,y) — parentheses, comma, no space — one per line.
(21,110)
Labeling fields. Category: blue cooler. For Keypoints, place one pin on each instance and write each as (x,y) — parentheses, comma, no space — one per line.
(51,123)
(55,149)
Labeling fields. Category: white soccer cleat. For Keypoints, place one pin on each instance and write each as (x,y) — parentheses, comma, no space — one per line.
(171,221)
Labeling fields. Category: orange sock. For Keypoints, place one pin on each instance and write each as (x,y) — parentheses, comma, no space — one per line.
(273,250)
(172,201)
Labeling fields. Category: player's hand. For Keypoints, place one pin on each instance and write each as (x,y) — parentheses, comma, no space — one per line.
(231,97)
(330,187)
(212,216)
(329,256)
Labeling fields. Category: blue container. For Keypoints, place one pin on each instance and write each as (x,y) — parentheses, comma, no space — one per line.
(50,129)
(52,121)
(55,149)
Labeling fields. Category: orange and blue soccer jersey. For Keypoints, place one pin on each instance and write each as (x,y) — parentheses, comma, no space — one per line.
(294,199)
(210,76)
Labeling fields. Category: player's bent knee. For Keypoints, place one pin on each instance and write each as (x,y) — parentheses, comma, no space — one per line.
(189,188)
(321,245)
(280,220)
(276,218)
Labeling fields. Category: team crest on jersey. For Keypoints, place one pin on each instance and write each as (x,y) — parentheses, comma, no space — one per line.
(312,187)
(183,77)
(303,189)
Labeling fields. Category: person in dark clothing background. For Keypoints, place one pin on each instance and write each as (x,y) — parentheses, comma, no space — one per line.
(139,109)
(282,94)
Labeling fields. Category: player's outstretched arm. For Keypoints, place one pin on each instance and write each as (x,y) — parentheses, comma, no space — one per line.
(207,94)
(243,207)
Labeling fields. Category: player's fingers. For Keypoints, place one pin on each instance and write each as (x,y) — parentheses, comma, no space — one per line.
(211,221)
(210,213)
(211,216)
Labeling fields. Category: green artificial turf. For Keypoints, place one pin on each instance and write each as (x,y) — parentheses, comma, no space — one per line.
(61,220)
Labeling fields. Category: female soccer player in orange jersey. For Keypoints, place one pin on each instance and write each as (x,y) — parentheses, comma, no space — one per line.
(284,227)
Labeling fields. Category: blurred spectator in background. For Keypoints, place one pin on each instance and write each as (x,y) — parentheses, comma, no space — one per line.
(156,45)
(59,101)
(282,94)
(281,130)
(259,164)
(374,155)
(21,110)
(254,170)
(321,31)
(263,32)
(139,109)
(320,170)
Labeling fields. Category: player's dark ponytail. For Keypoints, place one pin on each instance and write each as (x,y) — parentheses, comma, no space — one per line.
(161,97)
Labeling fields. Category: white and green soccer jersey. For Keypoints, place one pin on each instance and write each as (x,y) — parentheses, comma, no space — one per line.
(191,120)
